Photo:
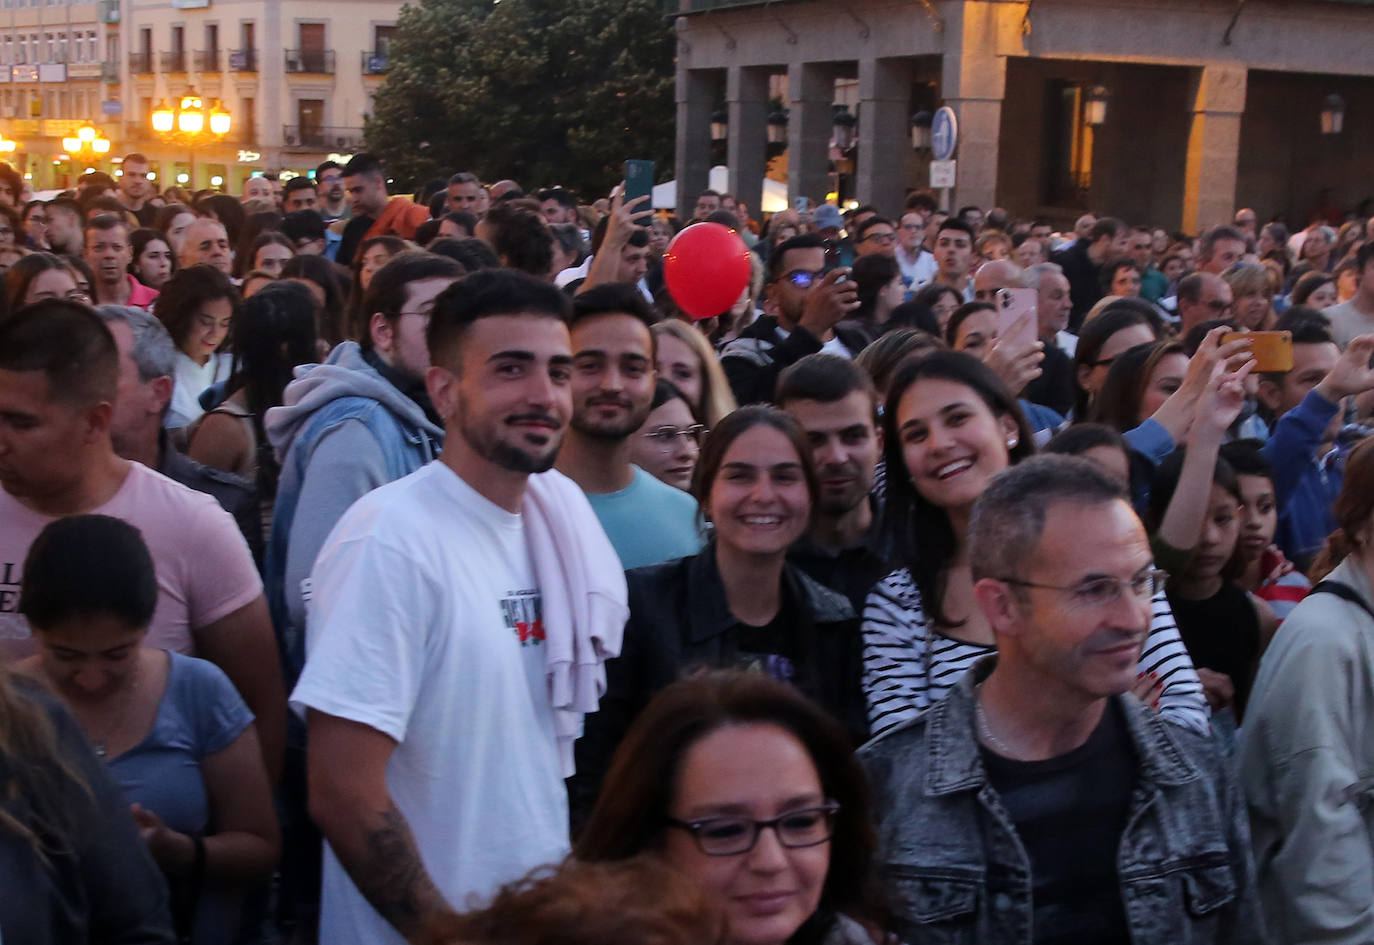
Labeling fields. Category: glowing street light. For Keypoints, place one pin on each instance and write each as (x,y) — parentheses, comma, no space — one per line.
(86,139)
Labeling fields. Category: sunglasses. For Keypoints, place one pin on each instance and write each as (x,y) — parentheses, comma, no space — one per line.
(804,278)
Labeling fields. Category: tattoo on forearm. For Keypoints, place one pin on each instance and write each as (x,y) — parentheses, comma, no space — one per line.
(393,877)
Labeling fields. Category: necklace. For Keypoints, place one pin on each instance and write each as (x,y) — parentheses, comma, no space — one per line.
(983,728)
(100,745)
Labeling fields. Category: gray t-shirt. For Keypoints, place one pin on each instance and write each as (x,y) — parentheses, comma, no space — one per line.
(1348,322)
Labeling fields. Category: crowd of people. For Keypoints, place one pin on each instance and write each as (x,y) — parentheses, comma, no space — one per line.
(381,568)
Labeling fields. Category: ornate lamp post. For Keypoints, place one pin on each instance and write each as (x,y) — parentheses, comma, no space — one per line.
(191,124)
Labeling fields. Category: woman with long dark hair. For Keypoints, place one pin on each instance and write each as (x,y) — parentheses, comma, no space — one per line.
(274,331)
(197,305)
(743,784)
(949,426)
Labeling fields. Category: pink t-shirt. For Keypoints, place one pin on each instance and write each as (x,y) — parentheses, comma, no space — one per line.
(204,569)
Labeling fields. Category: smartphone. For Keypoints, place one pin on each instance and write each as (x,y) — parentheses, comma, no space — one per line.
(1273,350)
(639,182)
(802,205)
(1011,305)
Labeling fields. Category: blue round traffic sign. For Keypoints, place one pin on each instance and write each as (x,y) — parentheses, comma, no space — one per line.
(944,134)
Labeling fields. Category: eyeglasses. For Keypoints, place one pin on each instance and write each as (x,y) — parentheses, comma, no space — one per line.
(1103,591)
(1217,305)
(731,836)
(880,237)
(667,435)
(804,278)
(913,227)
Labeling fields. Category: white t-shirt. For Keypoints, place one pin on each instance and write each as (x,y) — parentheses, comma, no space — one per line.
(425,624)
(191,381)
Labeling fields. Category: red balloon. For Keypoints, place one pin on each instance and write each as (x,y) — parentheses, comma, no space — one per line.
(706,268)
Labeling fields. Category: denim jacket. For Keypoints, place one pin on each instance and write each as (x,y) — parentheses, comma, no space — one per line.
(956,871)
(344,391)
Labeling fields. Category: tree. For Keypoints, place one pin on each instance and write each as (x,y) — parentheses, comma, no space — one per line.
(542,91)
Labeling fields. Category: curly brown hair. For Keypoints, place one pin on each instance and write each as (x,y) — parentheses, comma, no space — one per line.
(639,901)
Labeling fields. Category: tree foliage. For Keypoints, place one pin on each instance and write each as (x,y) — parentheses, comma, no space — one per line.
(542,91)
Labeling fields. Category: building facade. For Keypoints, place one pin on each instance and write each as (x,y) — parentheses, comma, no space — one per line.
(295,77)
(1162,111)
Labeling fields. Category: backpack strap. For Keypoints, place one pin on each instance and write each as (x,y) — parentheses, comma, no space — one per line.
(1345,592)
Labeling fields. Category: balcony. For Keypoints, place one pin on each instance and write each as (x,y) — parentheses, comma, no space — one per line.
(207,60)
(317,138)
(109,71)
(374,62)
(141,63)
(309,61)
(174,61)
(109,11)
(243,60)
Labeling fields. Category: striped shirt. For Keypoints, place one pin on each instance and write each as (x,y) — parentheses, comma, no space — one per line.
(909,665)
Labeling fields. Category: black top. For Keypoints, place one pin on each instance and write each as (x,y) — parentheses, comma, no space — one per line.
(1222,633)
(1055,387)
(353,233)
(851,571)
(1070,813)
(680,621)
(1085,287)
(99,884)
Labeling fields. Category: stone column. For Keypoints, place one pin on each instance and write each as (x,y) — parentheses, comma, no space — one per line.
(811,96)
(696,94)
(1209,179)
(887,166)
(746,97)
(973,83)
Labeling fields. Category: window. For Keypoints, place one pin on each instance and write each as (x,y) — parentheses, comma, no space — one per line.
(212,37)
(249,119)
(310,117)
(381,42)
(1068,146)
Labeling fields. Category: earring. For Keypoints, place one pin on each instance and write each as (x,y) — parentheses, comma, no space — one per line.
(1011,442)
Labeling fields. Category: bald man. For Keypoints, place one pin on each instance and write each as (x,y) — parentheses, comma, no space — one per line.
(991,276)
(206,241)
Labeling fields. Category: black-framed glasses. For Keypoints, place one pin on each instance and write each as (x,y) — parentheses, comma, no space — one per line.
(880,237)
(1217,305)
(804,278)
(1103,590)
(731,836)
(666,436)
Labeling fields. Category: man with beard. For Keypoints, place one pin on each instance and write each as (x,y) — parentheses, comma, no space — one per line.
(613,380)
(349,425)
(135,189)
(803,307)
(835,403)
(437,752)
(333,199)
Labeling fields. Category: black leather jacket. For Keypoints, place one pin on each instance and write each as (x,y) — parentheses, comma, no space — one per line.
(679,620)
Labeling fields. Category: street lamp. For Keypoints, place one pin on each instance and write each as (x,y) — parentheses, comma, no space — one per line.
(1333,114)
(189,122)
(8,146)
(777,126)
(1095,111)
(920,130)
(842,127)
(720,125)
(86,139)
